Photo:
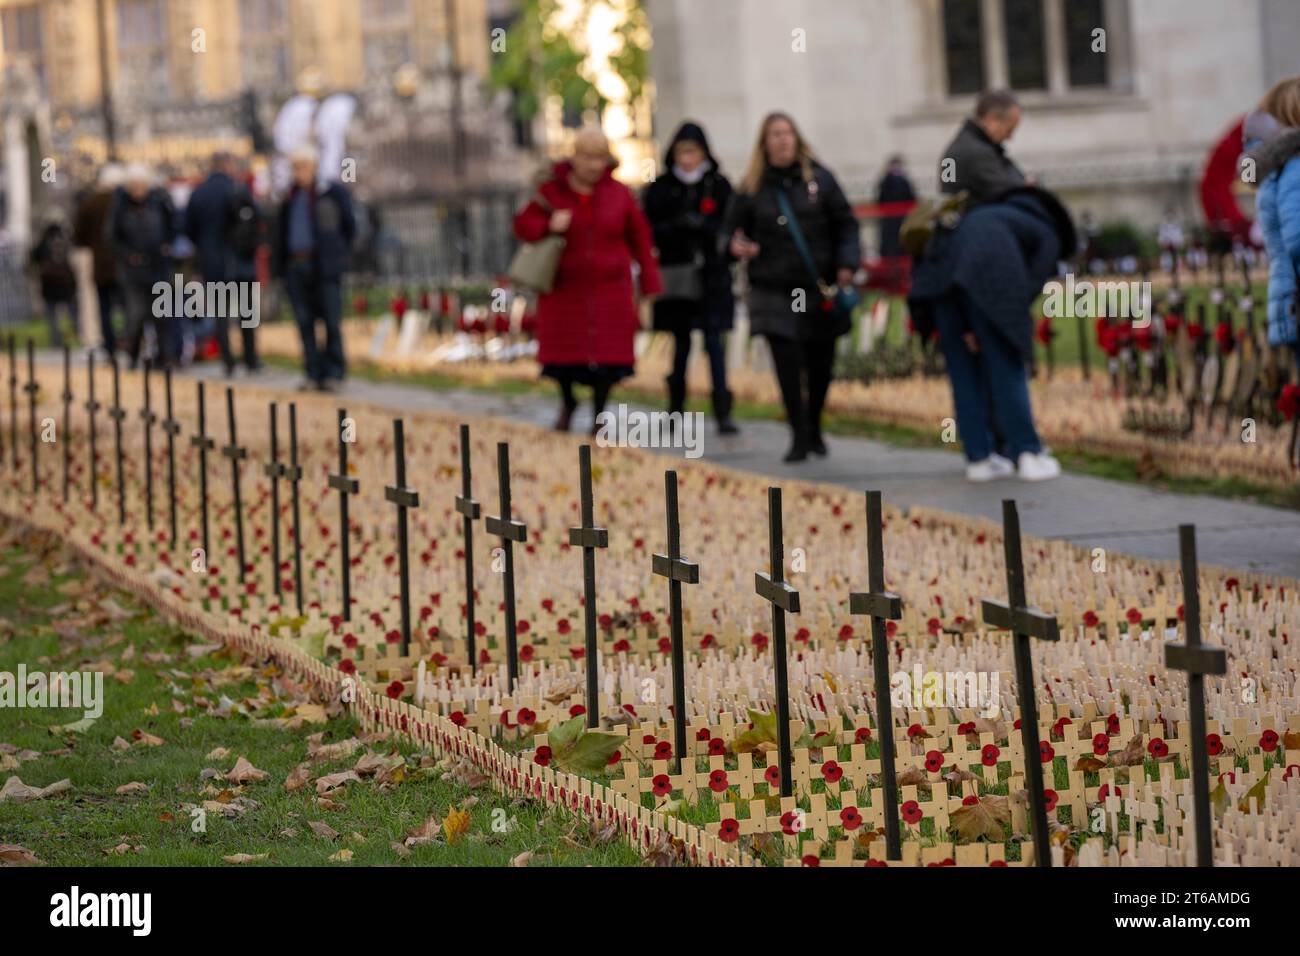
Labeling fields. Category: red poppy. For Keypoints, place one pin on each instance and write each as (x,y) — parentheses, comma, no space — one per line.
(349,640)
(934,761)
(630,709)
(862,735)
(665,645)
(1134,616)
(916,730)
(708,206)
(703,734)
(810,860)
(622,646)
(1058,728)
(718,781)
(457,717)
(1291,770)
(772,775)
(708,640)
(912,812)
(832,771)
(563,625)
(846,632)
(347,667)
(876,863)
(1100,744)
(526,717)
(1213,744)
(526,653)
(1268,741)
(614,758)
(663,750)
(543,756)
(717,747)
(661,786)
(729,830)
(933,625)
(1157,748)
(989,755)
(1045,751)
(791,822)
(1112,724)
(969,800)
(997,862)
(395,689)
(759,640)
(577,710)
(1051,797)
(1104,791)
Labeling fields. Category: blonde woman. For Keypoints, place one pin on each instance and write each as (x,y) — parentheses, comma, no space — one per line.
(792,267)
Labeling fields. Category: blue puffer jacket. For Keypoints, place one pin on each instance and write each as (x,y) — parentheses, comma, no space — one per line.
(1277,205)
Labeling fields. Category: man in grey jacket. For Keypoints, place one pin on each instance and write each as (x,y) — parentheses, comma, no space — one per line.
(976,159)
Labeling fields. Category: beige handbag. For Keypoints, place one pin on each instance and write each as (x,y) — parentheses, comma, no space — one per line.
(535,263)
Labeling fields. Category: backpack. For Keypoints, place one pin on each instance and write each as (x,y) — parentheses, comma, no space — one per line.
(243,225)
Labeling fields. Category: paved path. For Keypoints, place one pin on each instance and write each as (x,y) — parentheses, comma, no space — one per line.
(1094,512)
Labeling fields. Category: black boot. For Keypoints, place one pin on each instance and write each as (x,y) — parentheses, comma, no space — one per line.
(816,444)
(798,444)
(722,412)
(676,403)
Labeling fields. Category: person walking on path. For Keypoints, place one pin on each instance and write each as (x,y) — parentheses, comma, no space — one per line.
(792,224)
(52,259)
(224,223)
(1272,138)
(587,322)
(89,232)
(141,229)
(977,283)
(686,206)
(976,160)
(313,238)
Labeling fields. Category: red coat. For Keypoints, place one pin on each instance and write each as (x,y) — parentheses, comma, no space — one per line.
(590,316)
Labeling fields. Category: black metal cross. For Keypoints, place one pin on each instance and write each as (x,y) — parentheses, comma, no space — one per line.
(344,486)
(204,444)
(1197,660)
(172,428)
(469,509)
(236,454)
(31,388)
(773,588)
(881,606)
(13,402)
(509,531)
(92,407)
(589,538)
(404,498)
(67,421)
(294,474)
(148,417)
(1024,623)
(678,571)
(117,413)
(275,471)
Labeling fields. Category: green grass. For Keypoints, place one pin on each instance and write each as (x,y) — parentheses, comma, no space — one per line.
(41,590)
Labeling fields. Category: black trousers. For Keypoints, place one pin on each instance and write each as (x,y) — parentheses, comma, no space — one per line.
(803,371)
(247,333)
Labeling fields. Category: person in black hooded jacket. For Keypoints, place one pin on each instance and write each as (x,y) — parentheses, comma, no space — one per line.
(785,300)
(686,206)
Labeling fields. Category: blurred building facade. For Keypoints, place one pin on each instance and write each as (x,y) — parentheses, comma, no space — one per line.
(1122,133)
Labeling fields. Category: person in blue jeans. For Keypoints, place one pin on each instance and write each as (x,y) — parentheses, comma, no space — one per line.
(313,239)
(975,285)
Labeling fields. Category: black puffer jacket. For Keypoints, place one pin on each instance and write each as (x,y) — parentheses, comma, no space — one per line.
(688,220)
(824,215)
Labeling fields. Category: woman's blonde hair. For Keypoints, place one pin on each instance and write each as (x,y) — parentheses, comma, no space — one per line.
(752,181)
(1282,102)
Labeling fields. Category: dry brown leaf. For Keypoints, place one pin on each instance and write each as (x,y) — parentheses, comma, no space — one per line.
(342,856)
(146,738)
(13,855)
(985,818)
(244,772)
(135,786)
(19,792)
(522,859)
(1132,755)
(1089,764)
(323,830)
(245,857)
(335,780)
(298,778)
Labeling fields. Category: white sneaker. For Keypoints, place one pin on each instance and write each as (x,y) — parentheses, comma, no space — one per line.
(990,469)
(1040,467)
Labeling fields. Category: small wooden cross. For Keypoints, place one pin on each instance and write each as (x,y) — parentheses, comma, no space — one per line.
(784,599)
(1197,660)
(1025,622)
(678,571)
(881,606)
(589,538)
(92,407)
(294,476)
(117,413)
(172,428)
(469,510)
(509,531)
(274,470)
(236,453)
(404,498)
(204,444)
(345,486)
(148,417)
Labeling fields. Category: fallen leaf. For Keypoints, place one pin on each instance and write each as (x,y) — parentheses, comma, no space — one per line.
(148,739)
(13,855)
(323,830)
(245,857)
(342,856)
(335,780)
(218,753)
(985,818)
(456,825)
(244,772)
(298,778)
(522,859)
(17,791)
(135,786)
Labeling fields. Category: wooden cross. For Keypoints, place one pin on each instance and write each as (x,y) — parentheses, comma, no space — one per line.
(204,444)
(404,498)
(1197,660)
(31,388)
(678,571)
(67,421)
(881,606)
(236,454)
(172,428)
(92,407)
(274,470)
(117,413)
(509,531)
(344,486)
(469,510)
(1024,622)
(589,538)
(13,403)
(148,417)
(773,588)
(294,474)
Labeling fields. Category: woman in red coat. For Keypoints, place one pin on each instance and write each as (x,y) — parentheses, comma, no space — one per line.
(586,324)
